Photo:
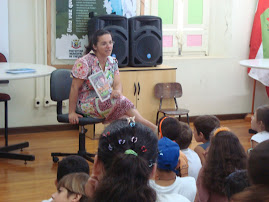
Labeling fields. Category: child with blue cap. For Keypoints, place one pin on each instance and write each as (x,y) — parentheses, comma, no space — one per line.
(166,179)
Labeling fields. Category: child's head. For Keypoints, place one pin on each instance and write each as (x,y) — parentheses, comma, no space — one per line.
(203,126)
(72,164)
(258,164)
(169,127)
(127,153)
(185,136)
(236,182)
(71,188)
(168,155)
(225,155)
(260,119)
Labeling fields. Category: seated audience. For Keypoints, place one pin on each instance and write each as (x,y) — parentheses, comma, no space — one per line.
(166,181)
(70,164)
(235,183)
(260,123)
(125,161)
(203,126)
(184,140)
(225,155)
(169,127)
(71,188)
(258,172)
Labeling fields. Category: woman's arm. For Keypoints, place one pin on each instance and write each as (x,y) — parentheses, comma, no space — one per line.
(73,97)
(117,87)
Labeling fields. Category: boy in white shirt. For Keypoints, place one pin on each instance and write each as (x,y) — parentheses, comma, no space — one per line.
(184,140)
(166,181)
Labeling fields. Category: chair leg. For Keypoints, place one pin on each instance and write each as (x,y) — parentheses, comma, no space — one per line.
(6,124)
(81,151)
(157,117)
(188,119)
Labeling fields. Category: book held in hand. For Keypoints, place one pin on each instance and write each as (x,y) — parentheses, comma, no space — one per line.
(20,71)
(101,85)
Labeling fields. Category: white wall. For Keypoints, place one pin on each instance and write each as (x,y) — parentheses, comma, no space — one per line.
(4,28)
(216,84)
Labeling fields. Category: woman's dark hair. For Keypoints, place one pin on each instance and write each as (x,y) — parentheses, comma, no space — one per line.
(126,175)
(258,172)
(206,124)
(93,39)
(225,155)
(169,127)
(262,114)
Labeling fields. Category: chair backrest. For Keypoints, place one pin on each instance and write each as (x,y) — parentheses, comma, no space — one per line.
(60,84)
(168,90)
(2,58)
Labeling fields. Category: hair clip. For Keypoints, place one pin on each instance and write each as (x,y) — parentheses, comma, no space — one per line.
(121,141)
(105,135)
(110,147)
(131,121)
(134,139)
(220,129)
(143,148)
(130,151)
(151,163)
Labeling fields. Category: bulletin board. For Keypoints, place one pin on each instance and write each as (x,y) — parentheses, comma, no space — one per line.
(67,41)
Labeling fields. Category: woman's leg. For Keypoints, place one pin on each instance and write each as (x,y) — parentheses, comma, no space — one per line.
(139,118)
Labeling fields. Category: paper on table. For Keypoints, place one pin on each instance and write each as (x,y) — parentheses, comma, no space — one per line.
(20,70)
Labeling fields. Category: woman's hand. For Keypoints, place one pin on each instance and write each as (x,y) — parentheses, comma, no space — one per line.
(116,94)
(73,118)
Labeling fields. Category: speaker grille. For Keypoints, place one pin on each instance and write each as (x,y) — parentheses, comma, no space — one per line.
(146,49)
(145,37)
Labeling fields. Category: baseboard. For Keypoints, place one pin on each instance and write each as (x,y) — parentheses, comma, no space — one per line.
(221,117)
(37,129)
(50,128)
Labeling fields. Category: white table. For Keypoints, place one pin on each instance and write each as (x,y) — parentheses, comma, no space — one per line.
(41,70)
(255,63)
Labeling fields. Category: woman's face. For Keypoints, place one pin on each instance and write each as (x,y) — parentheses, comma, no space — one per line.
(104,45)
(61,196)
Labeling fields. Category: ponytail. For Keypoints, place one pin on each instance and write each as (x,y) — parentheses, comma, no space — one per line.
(126,180)
(128,151)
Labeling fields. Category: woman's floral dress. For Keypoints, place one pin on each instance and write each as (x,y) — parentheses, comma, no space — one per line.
(89,103)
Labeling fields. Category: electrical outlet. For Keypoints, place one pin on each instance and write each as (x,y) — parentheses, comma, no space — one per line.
(64,103)
(46,102)
(37,102)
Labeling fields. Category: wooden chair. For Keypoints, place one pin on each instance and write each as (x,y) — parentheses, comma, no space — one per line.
(169,91)
(60,84)
(4,151)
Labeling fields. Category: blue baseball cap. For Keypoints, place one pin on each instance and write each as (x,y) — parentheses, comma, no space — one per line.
(168,154)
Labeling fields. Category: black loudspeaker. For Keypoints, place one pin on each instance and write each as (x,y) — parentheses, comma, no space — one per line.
(145,36)
(118,26)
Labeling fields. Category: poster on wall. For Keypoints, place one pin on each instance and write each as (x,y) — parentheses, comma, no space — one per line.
(71,22)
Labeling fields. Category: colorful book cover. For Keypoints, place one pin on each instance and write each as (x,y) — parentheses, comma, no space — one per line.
(100,85)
